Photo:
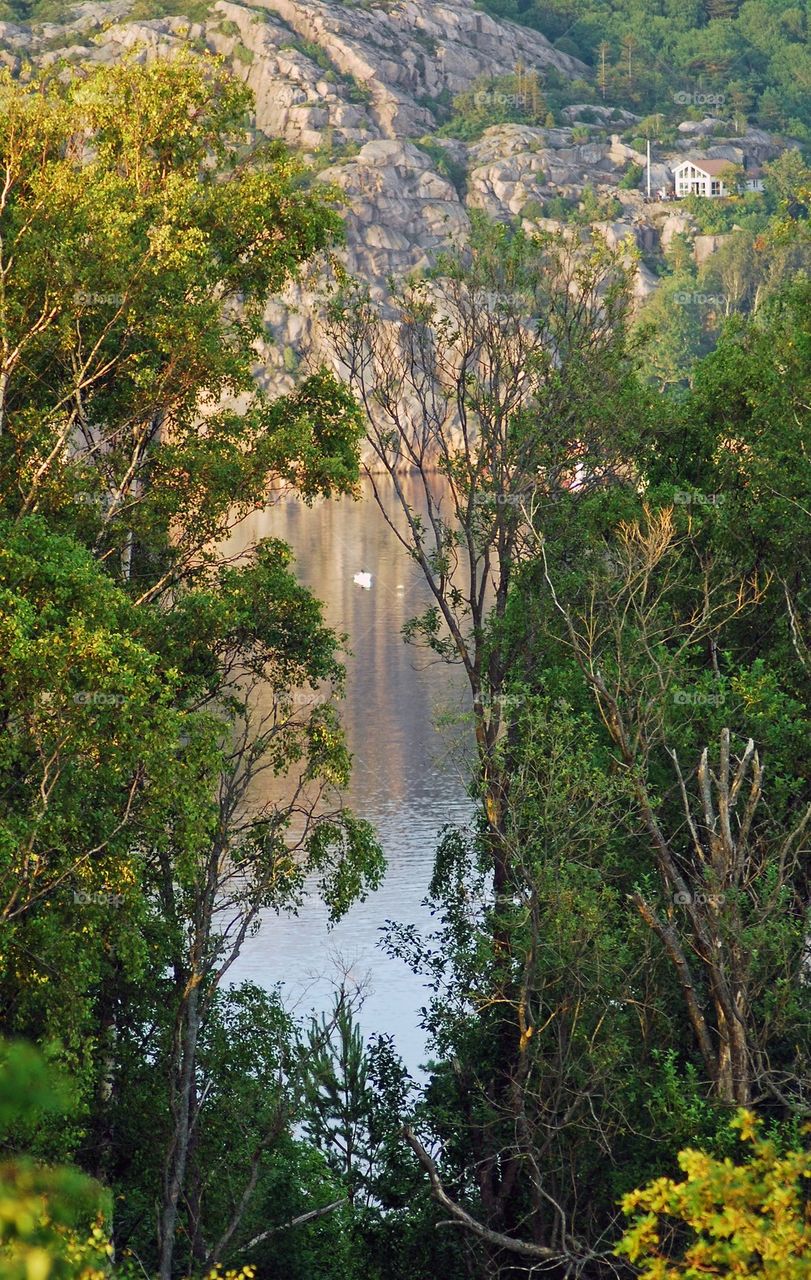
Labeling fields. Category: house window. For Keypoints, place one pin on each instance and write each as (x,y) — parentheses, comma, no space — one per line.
(715,189)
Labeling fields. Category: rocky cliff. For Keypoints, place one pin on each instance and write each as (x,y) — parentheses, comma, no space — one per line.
(361,87)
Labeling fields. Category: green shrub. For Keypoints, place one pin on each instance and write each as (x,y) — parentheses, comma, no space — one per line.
(54,1221)
(242,53)
(145,10)
(445,164)
(494,100)
(564,45)
(358,91)
(428,43)
(561,208)
(533,209)
(631,177)
(314,52)
(716,217)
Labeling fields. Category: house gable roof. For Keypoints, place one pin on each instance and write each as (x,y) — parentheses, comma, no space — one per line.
(712,168)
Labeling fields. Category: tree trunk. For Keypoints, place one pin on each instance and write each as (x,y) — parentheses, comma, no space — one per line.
(177,1155)
(194,1194)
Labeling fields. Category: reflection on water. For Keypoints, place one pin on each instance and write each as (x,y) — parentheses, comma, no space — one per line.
(408,778)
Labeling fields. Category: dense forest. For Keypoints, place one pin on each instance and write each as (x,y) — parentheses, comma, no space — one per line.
(752,57)
(617,547)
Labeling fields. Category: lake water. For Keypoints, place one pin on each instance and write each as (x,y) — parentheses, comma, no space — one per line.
(409,776)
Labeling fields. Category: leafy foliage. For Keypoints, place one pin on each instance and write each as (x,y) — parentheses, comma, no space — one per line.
(742,1219)
(620,952)
(754,55)
(54,1221)
(142,237)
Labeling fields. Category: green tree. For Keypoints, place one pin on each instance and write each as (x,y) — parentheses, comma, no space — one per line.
(134,290)
(497,100)
(54,1221)
(141,238)
(660,728)
(788,176)
(75,672)
(355,1098)
(507,376)
(510,380)
(670,330)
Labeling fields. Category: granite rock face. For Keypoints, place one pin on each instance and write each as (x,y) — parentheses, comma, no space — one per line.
(359,86)
(400,211)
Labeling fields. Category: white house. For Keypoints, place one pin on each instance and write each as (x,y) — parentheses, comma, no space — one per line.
(701,178)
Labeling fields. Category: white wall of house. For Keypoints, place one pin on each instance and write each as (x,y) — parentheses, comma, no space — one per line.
(690,180)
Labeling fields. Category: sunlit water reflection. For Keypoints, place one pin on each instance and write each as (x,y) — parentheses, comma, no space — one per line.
(409,777)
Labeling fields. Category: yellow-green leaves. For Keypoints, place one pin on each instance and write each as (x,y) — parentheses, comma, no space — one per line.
(745,1220)
(54,1221)
(141,234)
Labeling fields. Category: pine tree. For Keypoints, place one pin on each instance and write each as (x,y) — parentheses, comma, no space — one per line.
(602,72)
(629,47)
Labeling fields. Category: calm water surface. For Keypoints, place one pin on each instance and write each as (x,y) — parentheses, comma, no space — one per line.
(409,774)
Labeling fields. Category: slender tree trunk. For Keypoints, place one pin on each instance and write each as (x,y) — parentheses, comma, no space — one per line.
(194,1194)
(102,1130)
(177,1156)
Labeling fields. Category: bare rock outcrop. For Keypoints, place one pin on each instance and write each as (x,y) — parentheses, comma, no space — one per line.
(361,89)
(401,210)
